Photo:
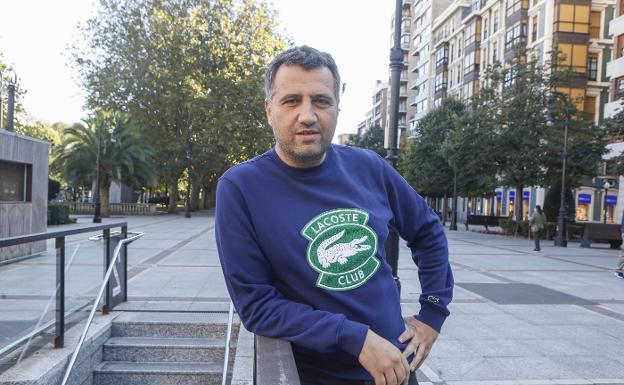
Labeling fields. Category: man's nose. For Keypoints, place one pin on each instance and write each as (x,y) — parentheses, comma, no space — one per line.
(307,114)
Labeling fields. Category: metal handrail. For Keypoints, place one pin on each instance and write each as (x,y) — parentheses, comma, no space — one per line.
(19,239)
(98,297)
(227,343)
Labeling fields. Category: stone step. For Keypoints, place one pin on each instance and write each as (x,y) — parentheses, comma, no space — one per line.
(157,373)
(142,349)
(171,325)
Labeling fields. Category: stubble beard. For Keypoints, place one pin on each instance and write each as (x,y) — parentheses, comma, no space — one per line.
(305,157)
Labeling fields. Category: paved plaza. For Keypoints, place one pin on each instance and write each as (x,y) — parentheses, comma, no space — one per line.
(518,316)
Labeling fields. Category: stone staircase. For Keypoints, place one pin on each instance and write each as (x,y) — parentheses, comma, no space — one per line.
(165,348)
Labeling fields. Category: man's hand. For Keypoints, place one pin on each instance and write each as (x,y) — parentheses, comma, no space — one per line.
(421,338)
(383,361)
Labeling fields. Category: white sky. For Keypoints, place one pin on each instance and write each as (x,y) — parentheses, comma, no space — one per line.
(34,35)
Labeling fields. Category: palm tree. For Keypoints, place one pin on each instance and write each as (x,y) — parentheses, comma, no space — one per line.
(125,154)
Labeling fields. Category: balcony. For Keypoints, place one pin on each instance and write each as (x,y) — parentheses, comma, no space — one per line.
(610,109)
(615,68)
(616,26)
(407,2)
(413,85)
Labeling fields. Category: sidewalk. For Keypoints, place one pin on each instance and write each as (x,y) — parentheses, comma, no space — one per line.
(518,317)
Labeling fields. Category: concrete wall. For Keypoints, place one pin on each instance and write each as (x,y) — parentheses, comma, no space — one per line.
(19,218)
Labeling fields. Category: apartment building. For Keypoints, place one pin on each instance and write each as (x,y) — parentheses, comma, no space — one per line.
(378,114)
(423,14)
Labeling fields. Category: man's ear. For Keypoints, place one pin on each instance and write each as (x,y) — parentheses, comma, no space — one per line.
(267,109)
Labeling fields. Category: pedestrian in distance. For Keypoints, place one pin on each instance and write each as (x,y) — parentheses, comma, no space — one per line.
(619,270)
(536,224)
(301,229)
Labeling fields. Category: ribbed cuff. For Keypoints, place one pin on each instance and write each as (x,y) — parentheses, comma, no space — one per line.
(351,337)
(431,317)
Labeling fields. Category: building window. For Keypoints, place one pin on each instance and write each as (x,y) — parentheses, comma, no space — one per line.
(592,66)
(590,108)
(441,82)
(15,182)
(514,6)
(534,29)
(495,26)
(494,49)
(442,57)
(510,78)
(594,24)
(485,28)
(574,56)
(576,95)
(620,88)
(473,33)
(572,18)
(516,35)
(471,62)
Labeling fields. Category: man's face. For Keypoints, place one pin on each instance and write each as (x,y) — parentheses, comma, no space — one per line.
(303,113)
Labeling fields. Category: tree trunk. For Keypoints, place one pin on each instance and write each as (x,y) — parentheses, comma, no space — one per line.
(211,195)
(195,195)
(206,189)
(104,201)
(173,198)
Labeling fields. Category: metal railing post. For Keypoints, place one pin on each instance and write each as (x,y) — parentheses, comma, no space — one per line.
(59,339)
(107,258)
(124,234)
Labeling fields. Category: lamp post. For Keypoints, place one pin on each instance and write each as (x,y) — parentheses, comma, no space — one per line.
(606,187)
(561,237)
(453,225)
(391,140)
(97,217)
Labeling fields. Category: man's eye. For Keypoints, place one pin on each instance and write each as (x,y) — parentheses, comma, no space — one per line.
(323,102)
(290,102)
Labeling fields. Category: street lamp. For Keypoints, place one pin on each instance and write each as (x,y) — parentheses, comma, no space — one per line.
(454,217)
(97,217)
(561,237)
(391,140)
(606,187)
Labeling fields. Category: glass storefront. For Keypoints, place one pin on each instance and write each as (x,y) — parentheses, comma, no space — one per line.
(583,207)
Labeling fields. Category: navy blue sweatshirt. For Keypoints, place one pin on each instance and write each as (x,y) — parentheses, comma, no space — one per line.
(302,252)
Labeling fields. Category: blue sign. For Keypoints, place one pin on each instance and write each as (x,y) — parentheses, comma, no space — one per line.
(611,200)
(512,195)
(584,198)
(526,195)
(499,195)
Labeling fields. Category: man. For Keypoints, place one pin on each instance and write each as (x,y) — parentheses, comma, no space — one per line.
(301,229)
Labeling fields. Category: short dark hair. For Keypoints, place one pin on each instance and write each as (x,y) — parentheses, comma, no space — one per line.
(303,56)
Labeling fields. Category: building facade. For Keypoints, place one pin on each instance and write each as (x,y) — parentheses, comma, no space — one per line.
(378,114)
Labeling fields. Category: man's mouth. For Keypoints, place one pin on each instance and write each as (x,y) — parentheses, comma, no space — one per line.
(308,133)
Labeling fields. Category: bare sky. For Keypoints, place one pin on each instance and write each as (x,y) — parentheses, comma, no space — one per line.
(34,35)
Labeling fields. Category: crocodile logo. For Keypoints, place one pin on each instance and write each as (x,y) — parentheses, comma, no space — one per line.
(341,249)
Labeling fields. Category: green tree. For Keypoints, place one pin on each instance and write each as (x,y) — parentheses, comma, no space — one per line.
(125,155)
(372,139)
(521,134)
(185,70)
